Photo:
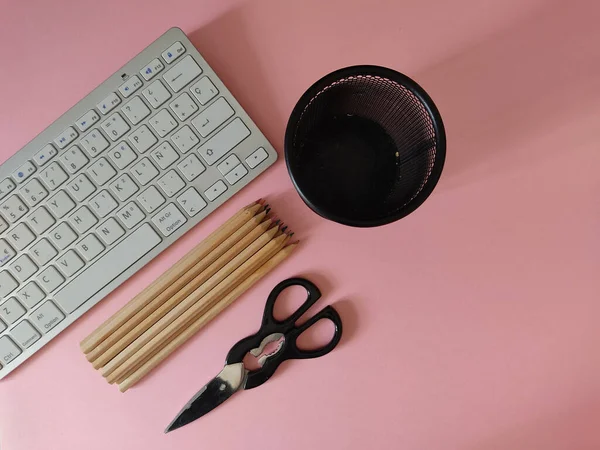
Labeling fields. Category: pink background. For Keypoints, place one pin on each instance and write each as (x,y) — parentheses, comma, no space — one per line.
(470,325)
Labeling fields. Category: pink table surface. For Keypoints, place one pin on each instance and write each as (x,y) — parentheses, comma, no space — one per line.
(470,325)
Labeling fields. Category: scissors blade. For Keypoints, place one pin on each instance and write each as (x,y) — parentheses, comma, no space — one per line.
(231,379)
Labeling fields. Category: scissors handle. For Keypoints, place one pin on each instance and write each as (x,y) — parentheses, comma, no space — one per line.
(289,330)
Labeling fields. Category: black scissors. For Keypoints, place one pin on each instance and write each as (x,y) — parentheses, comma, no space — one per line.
(235,376)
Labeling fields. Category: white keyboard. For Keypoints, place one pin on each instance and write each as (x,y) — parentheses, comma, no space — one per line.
(113,182)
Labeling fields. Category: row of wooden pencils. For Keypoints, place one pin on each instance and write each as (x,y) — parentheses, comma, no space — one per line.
(137,338)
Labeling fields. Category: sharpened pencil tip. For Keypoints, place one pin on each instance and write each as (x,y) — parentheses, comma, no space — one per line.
(291,234)
(292,243)
(284,228)
(268,210)
(260,200)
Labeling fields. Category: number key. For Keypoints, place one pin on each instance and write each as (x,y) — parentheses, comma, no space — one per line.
(73,159)
(115,126)
(53,176)
(13,209)
(94,143)
(33,192)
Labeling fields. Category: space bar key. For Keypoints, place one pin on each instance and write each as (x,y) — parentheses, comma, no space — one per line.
(110,266)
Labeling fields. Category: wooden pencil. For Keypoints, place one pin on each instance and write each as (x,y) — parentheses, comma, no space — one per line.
(193,305)
(156,358)
(167,278)
(253,241)
(239,240)
(123,361)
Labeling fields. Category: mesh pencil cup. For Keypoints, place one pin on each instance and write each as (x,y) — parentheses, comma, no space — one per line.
(365,146)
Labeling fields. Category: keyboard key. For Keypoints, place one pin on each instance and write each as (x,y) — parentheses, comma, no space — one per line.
(23,267)
(169,219)
(130,86)
(53,176)
(31,294)
(6,187)
(3,225)
(183,106)
(151,199)
(163,123)
(173,52)
(69,263)
(142,139)
(87,120)
(178,76)
(45,154)
(103,203)
(164,155)
(94,143)
(230,162)
(225,140)
(90,247)
(2,326)
(42,252)
(107,105)
(23,172)
(25,334)
(81,187)
(122,155)
(136,110)
(191,167)
(215,190)
(50,279)
(212,117)
(115,126)
(191,202)
(73,159)
(131,215)
(61,204)
(124,187)
(40,220)
(63,235)
(204,90)
(66,137)
(185,139)
(236,174)
(13,209)
(21,236)
(8,350)
(6,252)
(47,317)
(152,69)
(107,268)
(110,231)
(33,192)
(7,284)
(144,171)
(83,220)
(11,311)
(171,183)
(156,94)
(101,171)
